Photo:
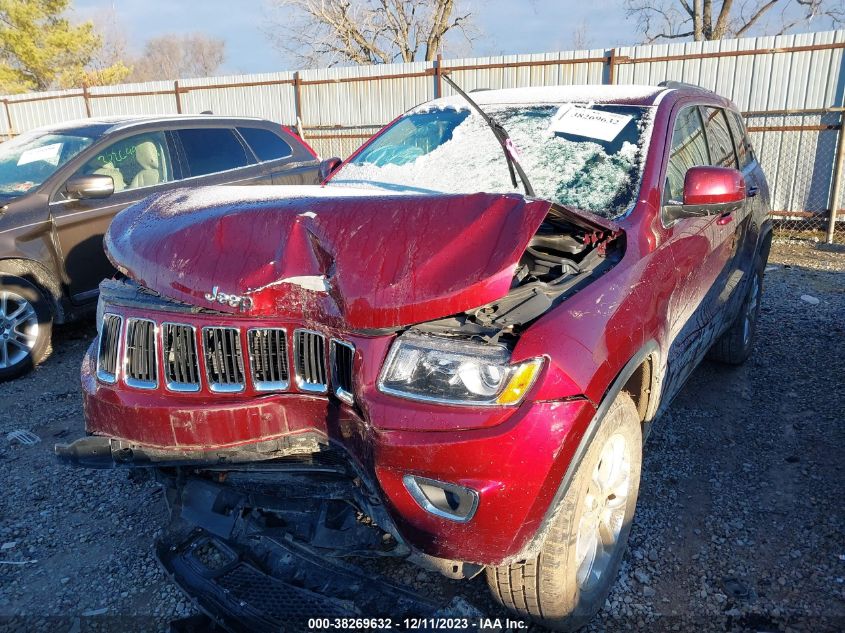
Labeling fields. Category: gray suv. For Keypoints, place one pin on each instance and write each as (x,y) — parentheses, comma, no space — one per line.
(61,186)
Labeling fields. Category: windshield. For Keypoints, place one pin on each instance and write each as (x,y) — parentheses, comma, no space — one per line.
(583,156)
(28,160)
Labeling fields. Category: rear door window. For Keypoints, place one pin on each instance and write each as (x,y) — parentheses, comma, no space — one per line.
(212,150)
(741,140)
(689,149)
(722,152)
(265,144)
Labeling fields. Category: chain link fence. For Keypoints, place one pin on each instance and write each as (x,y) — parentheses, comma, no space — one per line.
(798,151)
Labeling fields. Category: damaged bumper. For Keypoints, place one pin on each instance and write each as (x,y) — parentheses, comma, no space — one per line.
(231,548)
(510,460)
(106,452)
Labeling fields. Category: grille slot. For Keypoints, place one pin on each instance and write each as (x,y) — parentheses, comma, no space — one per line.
(181,362)
(141,368)
(224,364)
(268,358)
(343,355)
(309,351)
(107,355)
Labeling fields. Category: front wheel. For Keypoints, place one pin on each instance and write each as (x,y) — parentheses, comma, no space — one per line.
(566,584)
(25,326)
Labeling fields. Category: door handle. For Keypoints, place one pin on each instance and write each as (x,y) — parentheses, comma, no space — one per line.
(752,191)
(725,219)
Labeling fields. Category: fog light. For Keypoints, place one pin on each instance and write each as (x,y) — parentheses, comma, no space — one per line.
(448,501)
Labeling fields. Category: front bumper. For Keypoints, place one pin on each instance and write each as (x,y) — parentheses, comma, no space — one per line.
(514,458)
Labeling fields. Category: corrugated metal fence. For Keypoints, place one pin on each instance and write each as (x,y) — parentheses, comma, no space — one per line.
(789,87)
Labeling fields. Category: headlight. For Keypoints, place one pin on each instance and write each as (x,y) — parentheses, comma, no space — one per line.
(450,371)
(101,308)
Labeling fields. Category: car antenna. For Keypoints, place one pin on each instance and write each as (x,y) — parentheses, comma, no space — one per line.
(501,136)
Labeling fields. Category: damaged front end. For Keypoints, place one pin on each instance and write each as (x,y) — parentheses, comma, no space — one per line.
(318,378)
(266,548)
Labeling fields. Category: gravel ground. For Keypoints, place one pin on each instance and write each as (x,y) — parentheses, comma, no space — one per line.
(740,525)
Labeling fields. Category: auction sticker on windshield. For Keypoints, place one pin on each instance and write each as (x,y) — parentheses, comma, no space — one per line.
(588,123)
(47,153)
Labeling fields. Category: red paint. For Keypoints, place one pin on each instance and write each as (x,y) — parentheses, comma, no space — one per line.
(713,185)
(292,130)
(465,250)
(399,260)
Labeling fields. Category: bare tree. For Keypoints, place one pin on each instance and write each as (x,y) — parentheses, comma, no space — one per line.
(717,19)
(330,32)
(581,37)
(177,56)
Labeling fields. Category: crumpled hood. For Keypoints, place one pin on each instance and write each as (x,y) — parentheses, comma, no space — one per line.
(346,257)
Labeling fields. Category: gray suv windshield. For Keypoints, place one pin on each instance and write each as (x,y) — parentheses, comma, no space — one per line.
(28,160)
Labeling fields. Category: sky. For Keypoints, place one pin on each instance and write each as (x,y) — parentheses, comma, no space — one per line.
(506,26)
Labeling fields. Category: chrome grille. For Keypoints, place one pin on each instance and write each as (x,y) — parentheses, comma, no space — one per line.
(107,355)
(343,355)
(141,369)
(268,358)
(309,352)
(224,364)
(181,362)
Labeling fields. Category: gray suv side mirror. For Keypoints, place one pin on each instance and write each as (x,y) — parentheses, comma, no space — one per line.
(94,186)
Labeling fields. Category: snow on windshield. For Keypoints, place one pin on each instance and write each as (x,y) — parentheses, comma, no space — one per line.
(454,151)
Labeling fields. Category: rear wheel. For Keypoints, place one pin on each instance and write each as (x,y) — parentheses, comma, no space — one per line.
(25,326)
(734,346)
(566,584)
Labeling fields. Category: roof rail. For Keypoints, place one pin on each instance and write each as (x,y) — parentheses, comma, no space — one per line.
(680,84)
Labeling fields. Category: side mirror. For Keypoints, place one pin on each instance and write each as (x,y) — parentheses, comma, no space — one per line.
(709,191)
(94,186)
(328,167)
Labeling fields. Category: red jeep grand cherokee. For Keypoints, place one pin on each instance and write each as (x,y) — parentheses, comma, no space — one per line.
(451,351)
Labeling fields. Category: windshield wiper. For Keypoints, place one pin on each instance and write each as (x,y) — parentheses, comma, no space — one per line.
(504,140)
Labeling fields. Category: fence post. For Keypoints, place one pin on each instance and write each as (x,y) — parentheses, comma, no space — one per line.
(438,76)
(611,67)
(178,97)
(836,184)
(86,100)
(297,102)
(11,132)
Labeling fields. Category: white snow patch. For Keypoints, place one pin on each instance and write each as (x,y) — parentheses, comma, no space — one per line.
(185,200)
(308,214)
(590,93)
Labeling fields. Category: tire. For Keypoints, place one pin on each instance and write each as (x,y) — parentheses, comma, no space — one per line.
(26,323)
(734,346)
(554,588)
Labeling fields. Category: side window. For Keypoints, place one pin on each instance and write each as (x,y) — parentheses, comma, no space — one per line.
(138,161)
(743,144)
(210,150)
(722,152)
(689,149)
(265,144)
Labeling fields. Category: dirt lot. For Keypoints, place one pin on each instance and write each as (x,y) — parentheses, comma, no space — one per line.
(740,524)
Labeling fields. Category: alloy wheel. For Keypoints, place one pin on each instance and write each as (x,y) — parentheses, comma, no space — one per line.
(604,511)
(750,314)
(18,328)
